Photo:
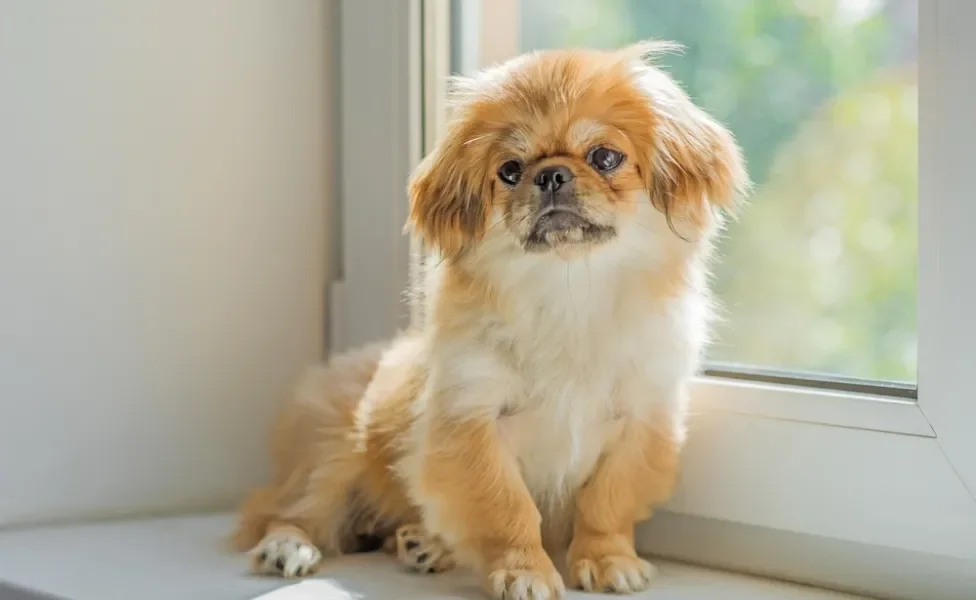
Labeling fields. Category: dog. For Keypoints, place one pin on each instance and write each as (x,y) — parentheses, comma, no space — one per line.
(539,411)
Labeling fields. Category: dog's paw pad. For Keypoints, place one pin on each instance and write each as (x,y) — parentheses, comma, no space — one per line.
(420,552)
(285,556)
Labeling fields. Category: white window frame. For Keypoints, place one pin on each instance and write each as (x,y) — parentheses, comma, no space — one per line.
(843,490)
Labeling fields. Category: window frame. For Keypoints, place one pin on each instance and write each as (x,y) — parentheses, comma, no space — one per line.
(777,479)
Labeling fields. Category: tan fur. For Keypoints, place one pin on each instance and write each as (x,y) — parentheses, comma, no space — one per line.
(487,509)
(646,457)
(541,405)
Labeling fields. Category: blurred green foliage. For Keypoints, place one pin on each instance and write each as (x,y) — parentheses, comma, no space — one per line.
(819,273)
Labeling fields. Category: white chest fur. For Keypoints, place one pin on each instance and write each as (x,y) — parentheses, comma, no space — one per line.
(572,359)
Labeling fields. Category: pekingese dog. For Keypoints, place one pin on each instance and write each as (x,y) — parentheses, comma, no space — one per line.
(539,411)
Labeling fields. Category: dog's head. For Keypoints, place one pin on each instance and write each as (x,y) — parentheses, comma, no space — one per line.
(559,150)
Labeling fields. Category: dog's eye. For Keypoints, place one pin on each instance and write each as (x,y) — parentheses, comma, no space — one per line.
(510,172)
(605,159)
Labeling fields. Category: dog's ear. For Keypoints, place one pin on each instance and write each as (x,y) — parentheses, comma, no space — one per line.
(697,166)
(694,166)
(449,196)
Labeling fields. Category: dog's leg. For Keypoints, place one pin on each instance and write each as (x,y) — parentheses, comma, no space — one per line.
(285,550)
(309,522)
(474,498)
(637,472)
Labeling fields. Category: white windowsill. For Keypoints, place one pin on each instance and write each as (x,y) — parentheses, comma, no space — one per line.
(184,558)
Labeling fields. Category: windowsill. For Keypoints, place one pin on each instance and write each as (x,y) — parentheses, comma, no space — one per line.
(184,558)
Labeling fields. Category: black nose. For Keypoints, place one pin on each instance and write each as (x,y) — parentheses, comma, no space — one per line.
(552,178)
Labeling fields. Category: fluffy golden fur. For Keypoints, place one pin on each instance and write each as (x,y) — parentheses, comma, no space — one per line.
(540,408)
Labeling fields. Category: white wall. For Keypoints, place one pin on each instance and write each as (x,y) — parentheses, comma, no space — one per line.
(164,175)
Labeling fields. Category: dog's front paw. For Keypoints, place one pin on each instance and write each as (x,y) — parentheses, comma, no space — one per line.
(524,574)
(285,554)
(419,551)
(615,573)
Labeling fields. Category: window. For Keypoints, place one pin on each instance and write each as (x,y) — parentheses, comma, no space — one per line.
(814,464)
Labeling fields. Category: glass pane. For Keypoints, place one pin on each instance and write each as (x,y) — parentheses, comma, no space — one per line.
(819,273)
